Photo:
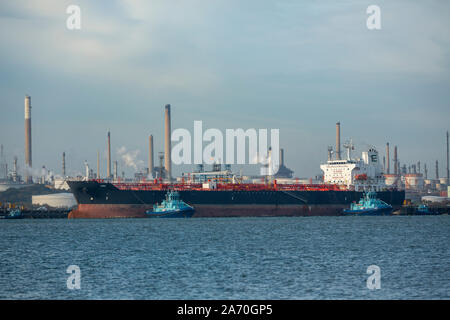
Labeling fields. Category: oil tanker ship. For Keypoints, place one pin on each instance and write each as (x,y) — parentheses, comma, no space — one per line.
(97,199)
(220,194)
(216,193)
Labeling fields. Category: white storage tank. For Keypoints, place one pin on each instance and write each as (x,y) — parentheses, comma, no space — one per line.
(56,200)
(414,181)
(391,179)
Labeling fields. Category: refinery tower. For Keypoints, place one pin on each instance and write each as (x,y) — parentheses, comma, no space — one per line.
(28,161)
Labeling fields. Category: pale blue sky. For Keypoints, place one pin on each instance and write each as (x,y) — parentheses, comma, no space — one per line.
(299,66)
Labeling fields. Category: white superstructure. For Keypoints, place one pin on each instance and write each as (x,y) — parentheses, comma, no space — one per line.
(360,174)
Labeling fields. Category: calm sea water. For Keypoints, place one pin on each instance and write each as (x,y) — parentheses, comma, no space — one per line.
(227,258)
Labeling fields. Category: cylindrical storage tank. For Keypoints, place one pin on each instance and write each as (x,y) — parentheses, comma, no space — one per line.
(413,181)
(391,179)
(56,200)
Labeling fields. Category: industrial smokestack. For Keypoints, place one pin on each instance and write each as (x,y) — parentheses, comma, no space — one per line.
(86,165)
(150,154)
(108,173)
(167,145)
(3,163)
(395,161)
(28,158)
(14,174)
(338,141)
(64,164)
(98,164)
(281,157)
(388,163)
(448,171)
(115,170)
(437,170)
(161,160)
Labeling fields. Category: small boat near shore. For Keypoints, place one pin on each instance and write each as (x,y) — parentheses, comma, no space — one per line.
(13,214)
(369,205)
(171,207)
(424,210)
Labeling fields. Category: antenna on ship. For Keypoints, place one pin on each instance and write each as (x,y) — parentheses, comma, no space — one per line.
(330,153)
(349,146)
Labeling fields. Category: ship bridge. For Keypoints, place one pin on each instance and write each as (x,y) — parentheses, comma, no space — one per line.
(358,174)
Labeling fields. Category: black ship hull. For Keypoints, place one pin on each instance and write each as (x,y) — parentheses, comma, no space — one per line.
(104,200)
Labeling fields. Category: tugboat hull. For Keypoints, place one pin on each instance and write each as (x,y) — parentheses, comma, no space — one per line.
(183,213)
(369,212)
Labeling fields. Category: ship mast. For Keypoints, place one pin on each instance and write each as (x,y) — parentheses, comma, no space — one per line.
(349,146)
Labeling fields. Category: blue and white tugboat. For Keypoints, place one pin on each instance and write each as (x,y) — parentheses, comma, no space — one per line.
(369,205)
(171,207)
(14,214)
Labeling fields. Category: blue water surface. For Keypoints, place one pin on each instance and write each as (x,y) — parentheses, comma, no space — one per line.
(227,258)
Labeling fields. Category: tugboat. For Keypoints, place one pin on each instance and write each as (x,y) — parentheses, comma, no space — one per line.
(13,214)
(171,207)
(369,205)
(424,210)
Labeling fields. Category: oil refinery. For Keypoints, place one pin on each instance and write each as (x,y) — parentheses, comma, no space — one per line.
(403,183)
